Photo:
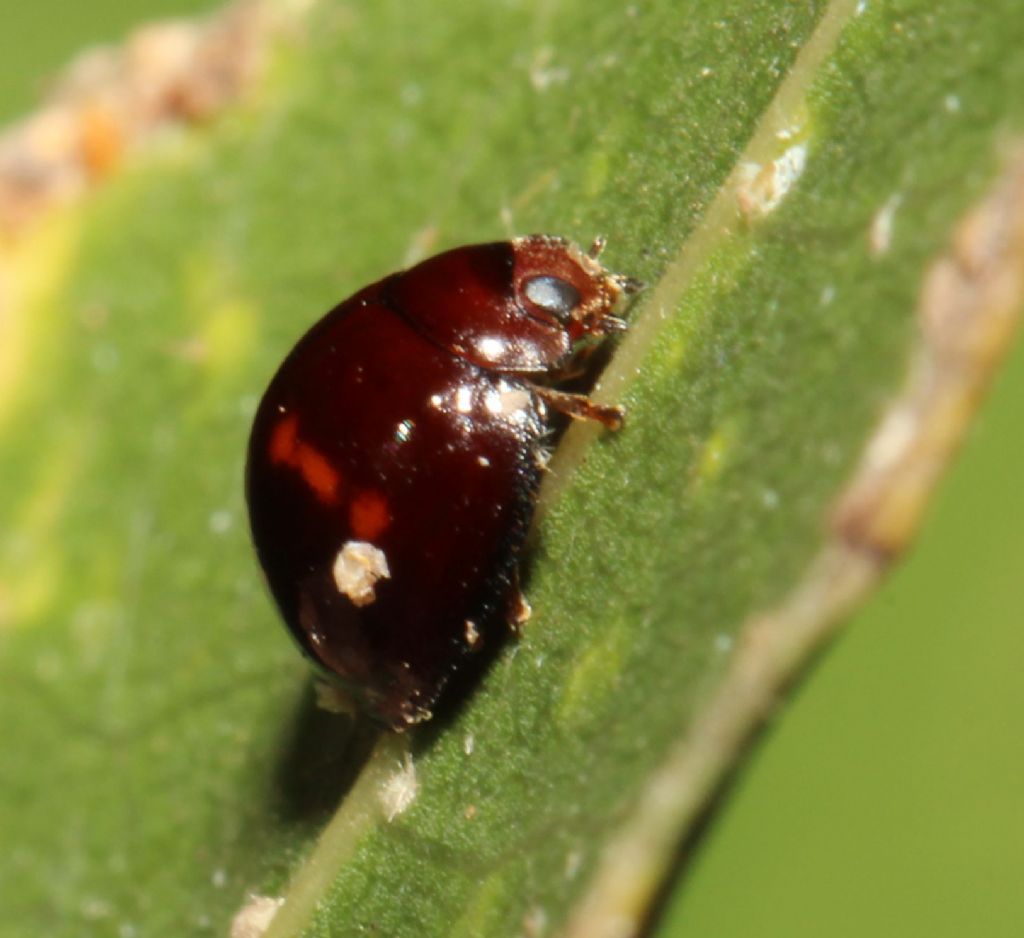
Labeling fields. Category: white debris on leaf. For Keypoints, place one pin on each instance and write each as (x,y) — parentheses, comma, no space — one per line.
(423,241)
(543,74)
(892,441)
(254,918)
(399,790)
(762,187)
(880,235)
(357,568)
(535,922)
(219,521)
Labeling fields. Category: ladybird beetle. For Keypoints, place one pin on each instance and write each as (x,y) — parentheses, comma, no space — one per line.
(395,459)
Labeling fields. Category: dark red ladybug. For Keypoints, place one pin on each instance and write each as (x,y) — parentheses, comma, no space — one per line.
(395,460)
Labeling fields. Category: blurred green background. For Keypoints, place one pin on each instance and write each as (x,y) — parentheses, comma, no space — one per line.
(888,799)
(39,38)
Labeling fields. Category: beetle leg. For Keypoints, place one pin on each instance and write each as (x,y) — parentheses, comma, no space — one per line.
(519,610)
(333,699)
(582,407)
(578,365)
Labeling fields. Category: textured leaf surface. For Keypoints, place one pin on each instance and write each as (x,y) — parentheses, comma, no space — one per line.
(163,753)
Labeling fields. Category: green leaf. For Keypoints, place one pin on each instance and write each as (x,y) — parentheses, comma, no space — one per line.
(786,179)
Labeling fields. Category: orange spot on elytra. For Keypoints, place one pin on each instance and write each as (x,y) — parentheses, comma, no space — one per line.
(368,515)
(321,476)
(316,470)
(284,440)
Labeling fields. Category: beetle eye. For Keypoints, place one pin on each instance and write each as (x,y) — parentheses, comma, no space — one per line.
(552,294)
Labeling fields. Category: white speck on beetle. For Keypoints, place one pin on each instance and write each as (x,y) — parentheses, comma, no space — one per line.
(254,918)
(483,461)
(880,234)
(762,188)
(403,430)
(507,401)
(464,399)
(491,346)
(357,568)
(399,790)
(492,401)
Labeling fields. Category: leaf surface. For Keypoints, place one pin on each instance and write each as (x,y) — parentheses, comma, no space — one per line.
(782,175)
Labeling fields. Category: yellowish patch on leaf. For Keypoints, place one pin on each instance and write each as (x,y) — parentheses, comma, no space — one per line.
(713,456)
(30,565)
(24,598)
(32,272)
(596,173)
(484,909)
(228,334)
(226,323)
(593,679)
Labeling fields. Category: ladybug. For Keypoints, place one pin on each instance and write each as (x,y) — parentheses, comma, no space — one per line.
(395,459)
